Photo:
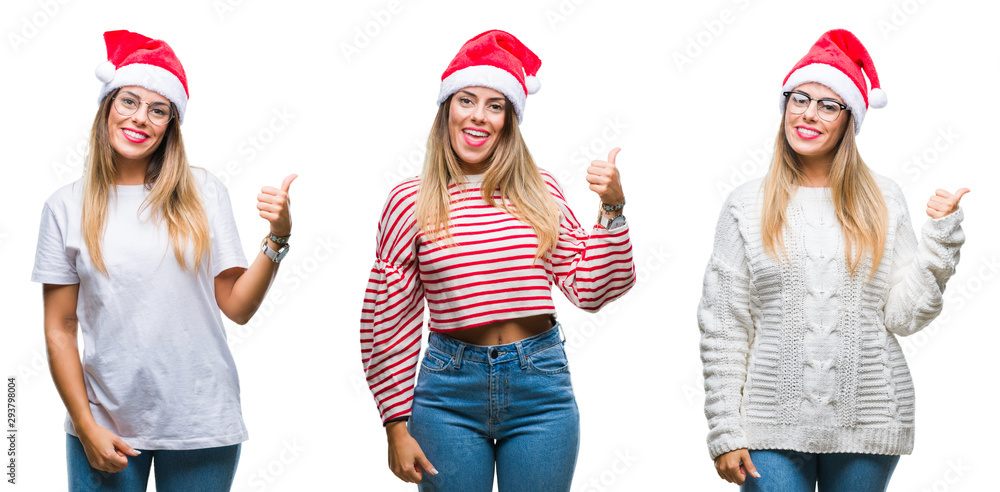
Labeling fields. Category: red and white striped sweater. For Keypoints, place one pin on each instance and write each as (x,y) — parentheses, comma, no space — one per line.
(489,275)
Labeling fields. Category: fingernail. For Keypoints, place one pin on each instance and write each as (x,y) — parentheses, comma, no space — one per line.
(756,475)
(137,451)
(434,471)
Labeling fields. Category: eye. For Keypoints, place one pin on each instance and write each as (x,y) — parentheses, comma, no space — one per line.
(127,101)
(829,106)
(465,100)
(799,99)
(159,111)
(497,107)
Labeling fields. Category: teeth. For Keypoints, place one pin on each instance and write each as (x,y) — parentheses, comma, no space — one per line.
(808,132)
(476,133)
(135,134)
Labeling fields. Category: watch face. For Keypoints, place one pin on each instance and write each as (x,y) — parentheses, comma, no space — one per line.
(281,253)
(616,222)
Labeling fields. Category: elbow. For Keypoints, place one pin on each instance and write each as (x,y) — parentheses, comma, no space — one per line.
(905,319)
(910,325)
(237,311)
(899,330)
(239,317)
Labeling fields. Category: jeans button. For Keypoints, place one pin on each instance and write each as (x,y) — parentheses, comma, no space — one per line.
(494,353)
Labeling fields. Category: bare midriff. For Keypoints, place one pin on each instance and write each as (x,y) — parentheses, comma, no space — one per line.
(503,332)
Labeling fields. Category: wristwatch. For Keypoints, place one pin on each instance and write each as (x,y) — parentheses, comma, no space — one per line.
(275,256)
(612,223)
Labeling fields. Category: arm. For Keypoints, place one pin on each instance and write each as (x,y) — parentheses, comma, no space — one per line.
(392,319)
(592,269)
(105,451)
(919,271)
(238,291)
(55,269)
(726,327)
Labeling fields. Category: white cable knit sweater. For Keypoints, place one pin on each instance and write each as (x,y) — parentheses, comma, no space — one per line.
(799,355)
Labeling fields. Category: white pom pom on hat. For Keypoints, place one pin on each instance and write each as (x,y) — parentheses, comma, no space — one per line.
(105,72)
(877,98)
(532,83)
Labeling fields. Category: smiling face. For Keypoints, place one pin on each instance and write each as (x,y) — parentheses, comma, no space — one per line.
(475,118)
(134,137)
(808,134)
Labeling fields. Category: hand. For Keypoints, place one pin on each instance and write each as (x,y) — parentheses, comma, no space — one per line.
(604,180)
(273,205)
(734,465)
(405,456)
(944,203)
(105,451)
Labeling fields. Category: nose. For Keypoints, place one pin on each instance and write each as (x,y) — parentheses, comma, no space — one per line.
(140,115)
(480,113)
(812,109)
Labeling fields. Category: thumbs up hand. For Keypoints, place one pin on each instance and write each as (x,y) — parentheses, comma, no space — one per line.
(273,205)
(944,203)
(604,180)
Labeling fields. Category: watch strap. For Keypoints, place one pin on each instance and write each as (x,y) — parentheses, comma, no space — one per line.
(275,256)
(609,222)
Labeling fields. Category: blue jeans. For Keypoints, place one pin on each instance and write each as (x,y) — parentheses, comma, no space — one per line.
(509,406)
(204,470)
(792,471)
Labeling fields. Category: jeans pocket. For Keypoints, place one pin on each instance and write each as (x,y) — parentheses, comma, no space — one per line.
(435,360)
(549,360)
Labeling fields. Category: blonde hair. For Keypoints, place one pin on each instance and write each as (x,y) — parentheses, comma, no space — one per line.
(173,198)
(524,193)
(857,199)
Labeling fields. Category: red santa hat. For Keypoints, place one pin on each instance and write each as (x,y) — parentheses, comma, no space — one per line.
(134,59)
(497,60)
(837,61)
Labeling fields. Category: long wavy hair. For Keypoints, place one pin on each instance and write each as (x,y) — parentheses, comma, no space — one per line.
(511,169)
(173,198)
(857,198)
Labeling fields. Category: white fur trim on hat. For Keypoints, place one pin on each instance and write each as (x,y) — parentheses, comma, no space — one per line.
(150,77)
(837,81)
(495,78)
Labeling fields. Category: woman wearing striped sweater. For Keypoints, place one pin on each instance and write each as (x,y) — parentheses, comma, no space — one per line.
(481,236)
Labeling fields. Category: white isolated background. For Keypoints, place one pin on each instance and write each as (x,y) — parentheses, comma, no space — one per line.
(689,91)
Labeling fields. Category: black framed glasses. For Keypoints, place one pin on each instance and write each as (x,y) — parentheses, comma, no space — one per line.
(827,109)
(158,113)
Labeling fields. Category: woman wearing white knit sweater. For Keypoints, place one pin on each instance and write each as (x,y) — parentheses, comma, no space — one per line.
(815,270)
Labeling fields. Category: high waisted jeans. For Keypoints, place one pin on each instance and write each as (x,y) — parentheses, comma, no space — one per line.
(509,406)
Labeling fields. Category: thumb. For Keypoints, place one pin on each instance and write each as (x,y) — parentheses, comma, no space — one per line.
(614,153)
(748,464)
(960,192)
(124,447)
(426,464)
(288,182)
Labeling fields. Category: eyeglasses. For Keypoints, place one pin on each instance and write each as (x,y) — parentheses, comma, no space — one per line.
(799,102)
(157,113)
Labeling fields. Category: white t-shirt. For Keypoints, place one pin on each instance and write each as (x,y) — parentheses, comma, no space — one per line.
(156,364)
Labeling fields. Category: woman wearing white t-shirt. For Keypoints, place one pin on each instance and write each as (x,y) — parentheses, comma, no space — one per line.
(143,253)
